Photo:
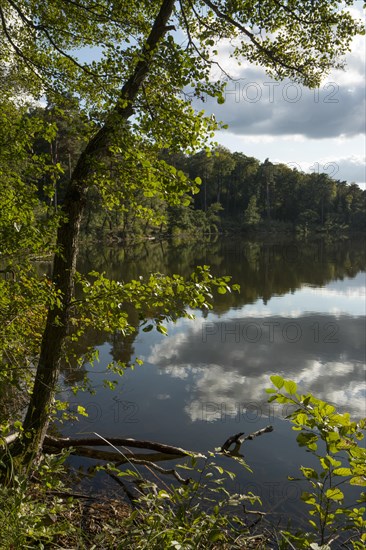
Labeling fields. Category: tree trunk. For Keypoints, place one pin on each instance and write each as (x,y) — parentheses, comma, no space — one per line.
(38,413)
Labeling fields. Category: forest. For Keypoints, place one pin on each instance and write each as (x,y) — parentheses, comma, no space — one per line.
(237,193)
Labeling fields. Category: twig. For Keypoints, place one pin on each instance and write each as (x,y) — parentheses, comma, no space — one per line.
(258,433)
(74,495)
(131,497)
(154,466)
(266,51)
(255,512)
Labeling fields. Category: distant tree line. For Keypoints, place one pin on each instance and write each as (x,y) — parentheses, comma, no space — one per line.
(237,192)
(251,194)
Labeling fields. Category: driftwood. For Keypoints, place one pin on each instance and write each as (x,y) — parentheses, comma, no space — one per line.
(239,440)
(66,443)
(82,447)
(233,439)
(163,452)
(257,433)
(120,458)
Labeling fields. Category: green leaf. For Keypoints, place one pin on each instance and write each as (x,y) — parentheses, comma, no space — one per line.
(277,380)
(358,480)
(301,419)
(334,494)
(306,439)
(290,386)
(81,410)
(309,498)
(313,524)
(342,472)
(306,400)
(309,473)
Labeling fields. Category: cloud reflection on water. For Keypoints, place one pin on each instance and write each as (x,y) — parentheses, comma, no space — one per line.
(227,361)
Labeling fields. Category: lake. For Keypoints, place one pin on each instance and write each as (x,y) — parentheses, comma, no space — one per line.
(300,314)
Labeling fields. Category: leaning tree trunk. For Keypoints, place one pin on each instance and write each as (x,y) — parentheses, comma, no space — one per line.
(38,413)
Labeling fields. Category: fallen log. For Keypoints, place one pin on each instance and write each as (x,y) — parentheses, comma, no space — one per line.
(67,442)
(56,443)
(110,456)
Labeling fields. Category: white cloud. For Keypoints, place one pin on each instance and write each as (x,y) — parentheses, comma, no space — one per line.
(219,394)
(290,123)
(163,396)
(256,105)
(353,293)
(225,366)
(352,169)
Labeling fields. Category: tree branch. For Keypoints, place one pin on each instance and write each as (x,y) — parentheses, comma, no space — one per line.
(300,19)
(65,443)
(96,15)
(30,64)
(45,31)
(193,44)
(268,53)
(239,440)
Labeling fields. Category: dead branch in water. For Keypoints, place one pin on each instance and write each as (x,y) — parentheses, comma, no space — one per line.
(81,446)
(239,440)
(67,442)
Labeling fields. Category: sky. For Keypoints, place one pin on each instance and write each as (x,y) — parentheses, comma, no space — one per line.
(320,130)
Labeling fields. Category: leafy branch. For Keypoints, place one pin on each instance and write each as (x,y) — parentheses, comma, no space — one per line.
(318,421)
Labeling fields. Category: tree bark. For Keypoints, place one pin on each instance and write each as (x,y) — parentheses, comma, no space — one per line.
(56,330)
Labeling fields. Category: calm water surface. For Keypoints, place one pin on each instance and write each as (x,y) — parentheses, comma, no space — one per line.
(300,313)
